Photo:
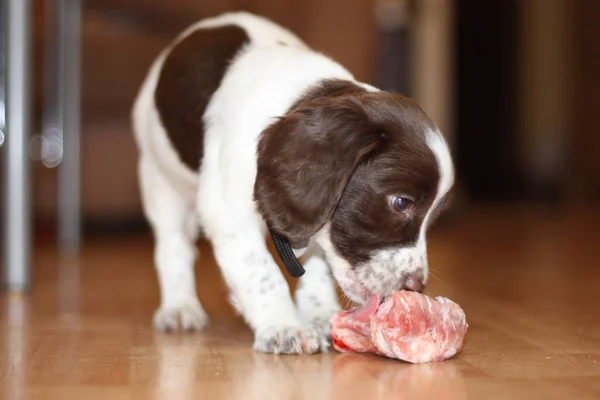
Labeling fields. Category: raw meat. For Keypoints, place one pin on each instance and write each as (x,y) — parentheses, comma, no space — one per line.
(408,326)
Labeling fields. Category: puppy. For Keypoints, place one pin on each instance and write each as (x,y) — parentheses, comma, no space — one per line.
(243,131)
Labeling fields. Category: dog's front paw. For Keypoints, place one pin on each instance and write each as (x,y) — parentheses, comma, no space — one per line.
(319,315)
(323,325)
(291,340)
(189,315)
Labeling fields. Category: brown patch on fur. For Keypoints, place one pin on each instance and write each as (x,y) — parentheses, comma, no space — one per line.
(307,157)
(338,155)
(192,72)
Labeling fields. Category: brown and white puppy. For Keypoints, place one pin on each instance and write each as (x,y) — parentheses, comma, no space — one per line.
(242,128)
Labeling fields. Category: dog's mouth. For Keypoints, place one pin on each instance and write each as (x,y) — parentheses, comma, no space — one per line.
(355,291)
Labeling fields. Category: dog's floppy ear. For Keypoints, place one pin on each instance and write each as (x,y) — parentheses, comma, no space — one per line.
(305,161)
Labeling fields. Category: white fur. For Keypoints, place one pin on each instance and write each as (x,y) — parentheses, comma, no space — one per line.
(315,296)
(220,199)
(342,270)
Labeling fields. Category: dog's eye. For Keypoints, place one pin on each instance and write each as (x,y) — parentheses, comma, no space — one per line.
(401,204)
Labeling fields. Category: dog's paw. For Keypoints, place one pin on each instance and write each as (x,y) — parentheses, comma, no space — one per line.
(189,316)
(323,325)
(291,340)
(319,316)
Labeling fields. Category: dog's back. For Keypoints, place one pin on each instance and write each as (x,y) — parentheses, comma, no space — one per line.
(209,95)
(182,80)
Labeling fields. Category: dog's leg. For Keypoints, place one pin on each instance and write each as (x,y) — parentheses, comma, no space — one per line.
(174,223)
(260,292)
(316,296)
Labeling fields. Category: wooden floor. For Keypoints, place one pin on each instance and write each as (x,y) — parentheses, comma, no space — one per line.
(529,282)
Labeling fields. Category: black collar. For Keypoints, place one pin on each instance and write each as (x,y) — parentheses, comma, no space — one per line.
(286,254)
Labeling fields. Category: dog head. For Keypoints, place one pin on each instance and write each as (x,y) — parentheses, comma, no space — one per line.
(365,173)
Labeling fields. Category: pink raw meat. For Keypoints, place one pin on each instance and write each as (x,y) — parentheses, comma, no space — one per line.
(408,326)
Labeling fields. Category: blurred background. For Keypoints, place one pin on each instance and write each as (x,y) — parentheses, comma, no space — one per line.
(513,84)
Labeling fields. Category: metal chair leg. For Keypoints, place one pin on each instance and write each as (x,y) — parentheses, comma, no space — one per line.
(69,185)
(61,123)
(17,201)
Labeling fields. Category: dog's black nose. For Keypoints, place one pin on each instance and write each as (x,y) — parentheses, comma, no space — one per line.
(415,281)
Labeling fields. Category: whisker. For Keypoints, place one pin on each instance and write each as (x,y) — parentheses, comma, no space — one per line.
(444,283)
